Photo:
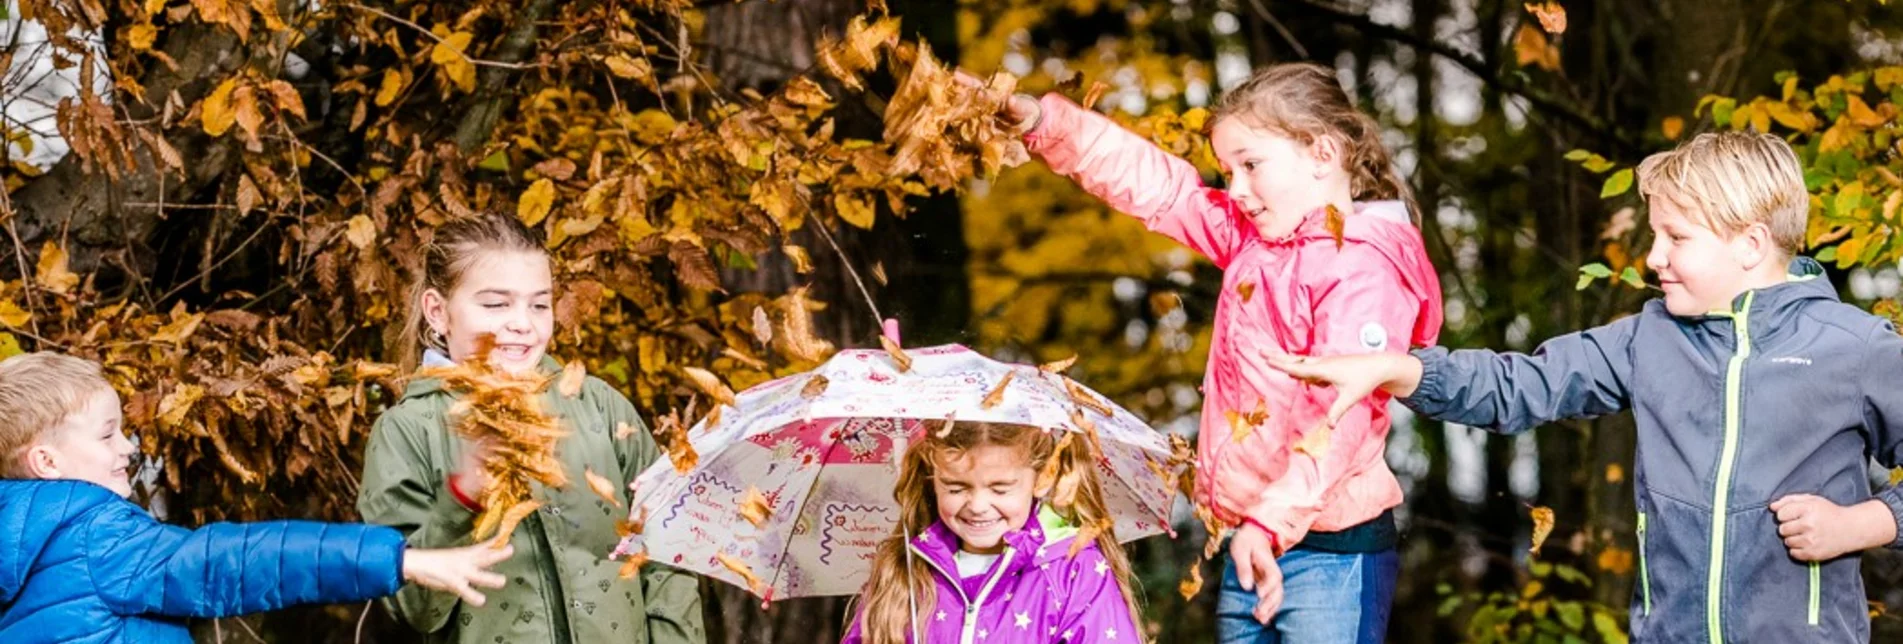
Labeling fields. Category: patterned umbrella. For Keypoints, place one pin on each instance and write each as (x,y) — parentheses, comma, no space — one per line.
(816,453)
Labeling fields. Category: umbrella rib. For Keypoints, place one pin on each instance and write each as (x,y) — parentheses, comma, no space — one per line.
(801,509)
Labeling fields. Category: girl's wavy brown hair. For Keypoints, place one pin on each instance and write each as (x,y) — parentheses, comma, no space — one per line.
(1304,102)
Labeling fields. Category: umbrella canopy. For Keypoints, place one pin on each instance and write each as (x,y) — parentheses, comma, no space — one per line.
(813,459)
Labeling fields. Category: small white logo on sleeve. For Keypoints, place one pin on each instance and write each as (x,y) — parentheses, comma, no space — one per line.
(1374,337)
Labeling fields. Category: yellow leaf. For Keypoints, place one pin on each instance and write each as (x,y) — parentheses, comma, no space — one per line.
(361,232)
(1314,443)
(708,383)
(899,356)
(634,227)
(1531,48)
(803,91)
(244,106)
(629,67)
(174,407)
(1552,16)
(814,387)
(601,486)
(1614,473)
(536,202)
(802,263)
(9,345)
(1672,127)
(857,212)
(1542,527)
(1193,583)
(1862,116)
(216,114)
(632,566)
(451,49)
(996,396)
(1896,476)
(1789,116)
(12,315)
(1615,560)
(1060,366)
(746,574)
(1760,116)
(141,36)
(392,87)
(573,375)
(286,98)
(754,508)
(53,274)
(652,126)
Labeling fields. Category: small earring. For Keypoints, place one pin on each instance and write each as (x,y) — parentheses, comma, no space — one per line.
(437,340)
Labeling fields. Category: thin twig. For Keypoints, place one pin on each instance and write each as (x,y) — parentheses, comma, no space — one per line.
(1263,11)
(878,321)
(361,620)
(472,59)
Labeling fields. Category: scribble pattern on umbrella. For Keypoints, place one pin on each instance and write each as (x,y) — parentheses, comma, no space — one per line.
(825,464)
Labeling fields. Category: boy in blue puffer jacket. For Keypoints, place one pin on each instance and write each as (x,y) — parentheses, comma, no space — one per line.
(1759,397)
(80,563)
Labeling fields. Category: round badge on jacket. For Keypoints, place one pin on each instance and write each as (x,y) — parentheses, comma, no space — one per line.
(1374,337)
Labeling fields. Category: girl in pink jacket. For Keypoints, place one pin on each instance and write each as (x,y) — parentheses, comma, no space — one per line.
(1319,257)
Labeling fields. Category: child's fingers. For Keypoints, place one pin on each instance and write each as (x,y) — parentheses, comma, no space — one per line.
(1794,507)
(487,556)
(1340,410)
(1245,570)
(487,579)
(1788,529)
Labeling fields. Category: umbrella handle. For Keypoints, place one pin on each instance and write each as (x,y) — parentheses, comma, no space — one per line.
(891,329)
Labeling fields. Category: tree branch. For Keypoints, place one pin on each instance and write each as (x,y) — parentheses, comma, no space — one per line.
(479,123)
(1473,65)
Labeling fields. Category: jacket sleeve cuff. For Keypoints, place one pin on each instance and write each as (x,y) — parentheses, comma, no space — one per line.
(1052,107)
(1893,498)
(1432,389)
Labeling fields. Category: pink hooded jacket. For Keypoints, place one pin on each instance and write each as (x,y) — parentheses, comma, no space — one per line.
(1302,295)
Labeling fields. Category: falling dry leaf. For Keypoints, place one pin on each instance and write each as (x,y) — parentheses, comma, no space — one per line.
(762,327)
(632,526)
(1314,443)
(814,387)
(713,419)
(1614,473)
(506,411)
(623,431)
(1087,534)
(1552,16)
(802,263)
(632,566)
(506,526)
(1542,527)
(672,439)
(898,354)
(709,384)
(1088,428)
(1193,583)
(1335,223)
(1212,527)
(1047,477)
(1246,290)
(945,430)
(1097,88)
(1060,366)
(601,486)
(572,377)
(1164,302)
(1672,127)
(997,393)
(1083,397)
(1615,560)
(878,272)
(740,568)
(754,507)
(1531,48)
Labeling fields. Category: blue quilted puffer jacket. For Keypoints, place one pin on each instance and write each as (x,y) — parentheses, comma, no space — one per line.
(80,564)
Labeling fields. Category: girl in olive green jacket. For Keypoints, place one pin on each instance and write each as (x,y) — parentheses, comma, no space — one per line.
(490,275)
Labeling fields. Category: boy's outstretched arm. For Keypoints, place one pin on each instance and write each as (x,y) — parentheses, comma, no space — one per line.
(401,491)
(1575,375)
(141,566)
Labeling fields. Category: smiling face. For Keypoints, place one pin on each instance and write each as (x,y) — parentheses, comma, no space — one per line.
(90,445)
(505,293)
(1275,180)
(1699,270)
(984,493)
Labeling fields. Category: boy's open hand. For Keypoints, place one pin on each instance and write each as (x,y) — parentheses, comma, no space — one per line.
(1815,529)
(456,570)
(1353,376)
(1254,553)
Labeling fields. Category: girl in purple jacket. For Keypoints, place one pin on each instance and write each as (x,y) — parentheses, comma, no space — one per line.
(1003,537)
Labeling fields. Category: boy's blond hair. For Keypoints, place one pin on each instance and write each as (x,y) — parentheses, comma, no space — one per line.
(1727,181)
(37,392)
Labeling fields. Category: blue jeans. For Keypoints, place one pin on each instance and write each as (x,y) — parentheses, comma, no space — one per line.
(1328,598)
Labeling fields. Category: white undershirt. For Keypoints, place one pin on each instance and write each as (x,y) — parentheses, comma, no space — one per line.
(972,565)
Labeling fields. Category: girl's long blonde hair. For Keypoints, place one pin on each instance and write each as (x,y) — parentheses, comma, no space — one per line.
(887,612)
(1303,101)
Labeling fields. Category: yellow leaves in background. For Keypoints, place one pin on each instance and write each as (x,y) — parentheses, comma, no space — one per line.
(240,100)
(52,272)
(1531,48)
(216,114)
(536,202)
(452,57)
(1551,15)
(361,232)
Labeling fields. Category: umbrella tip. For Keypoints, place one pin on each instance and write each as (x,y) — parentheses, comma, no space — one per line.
(891,329)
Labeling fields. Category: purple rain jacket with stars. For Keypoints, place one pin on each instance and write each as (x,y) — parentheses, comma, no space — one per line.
(1035,592)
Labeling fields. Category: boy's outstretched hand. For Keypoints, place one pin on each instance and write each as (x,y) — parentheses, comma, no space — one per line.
(1254,553)
(1815,529)
(1353,376)
(456,570)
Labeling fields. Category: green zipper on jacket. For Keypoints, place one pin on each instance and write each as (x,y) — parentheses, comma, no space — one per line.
(1645,578)
(1727,461)
(1815,591)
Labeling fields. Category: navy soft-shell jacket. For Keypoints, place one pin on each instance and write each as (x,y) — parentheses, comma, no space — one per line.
(79,563)
(1790,391)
